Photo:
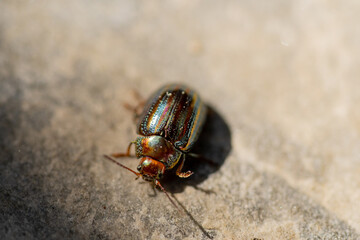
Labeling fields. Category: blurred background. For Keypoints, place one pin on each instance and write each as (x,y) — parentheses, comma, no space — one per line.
(283,77)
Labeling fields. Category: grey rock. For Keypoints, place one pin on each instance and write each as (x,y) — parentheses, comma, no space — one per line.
(281,78)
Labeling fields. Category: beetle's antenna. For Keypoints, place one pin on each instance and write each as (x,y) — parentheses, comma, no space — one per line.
(116,162)
(157,183)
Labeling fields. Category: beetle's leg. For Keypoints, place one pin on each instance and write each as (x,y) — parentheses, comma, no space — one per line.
(139,107)
(183,174)
(154,190)
(119,155)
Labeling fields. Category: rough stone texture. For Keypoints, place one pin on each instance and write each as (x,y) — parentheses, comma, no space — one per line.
(281,76)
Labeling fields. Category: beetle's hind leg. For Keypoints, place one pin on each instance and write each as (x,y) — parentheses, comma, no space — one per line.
(139,106)
(183,174)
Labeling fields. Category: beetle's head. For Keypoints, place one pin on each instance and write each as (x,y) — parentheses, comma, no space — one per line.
(151,169)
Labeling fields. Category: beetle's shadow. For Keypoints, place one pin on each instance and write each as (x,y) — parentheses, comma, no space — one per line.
(214,144)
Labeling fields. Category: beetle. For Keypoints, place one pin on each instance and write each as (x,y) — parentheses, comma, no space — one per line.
(168,127)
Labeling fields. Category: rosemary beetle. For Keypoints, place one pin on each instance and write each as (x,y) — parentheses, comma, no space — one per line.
(168,127)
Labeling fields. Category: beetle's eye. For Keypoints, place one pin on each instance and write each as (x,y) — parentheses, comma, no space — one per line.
(138,168)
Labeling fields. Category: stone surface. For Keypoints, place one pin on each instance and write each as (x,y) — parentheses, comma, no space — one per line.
(282,78)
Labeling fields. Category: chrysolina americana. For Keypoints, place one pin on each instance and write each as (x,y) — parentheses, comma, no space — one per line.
(169,126)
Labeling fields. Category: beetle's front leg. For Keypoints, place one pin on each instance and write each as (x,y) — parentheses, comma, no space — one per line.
(183,174)
(120,155)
